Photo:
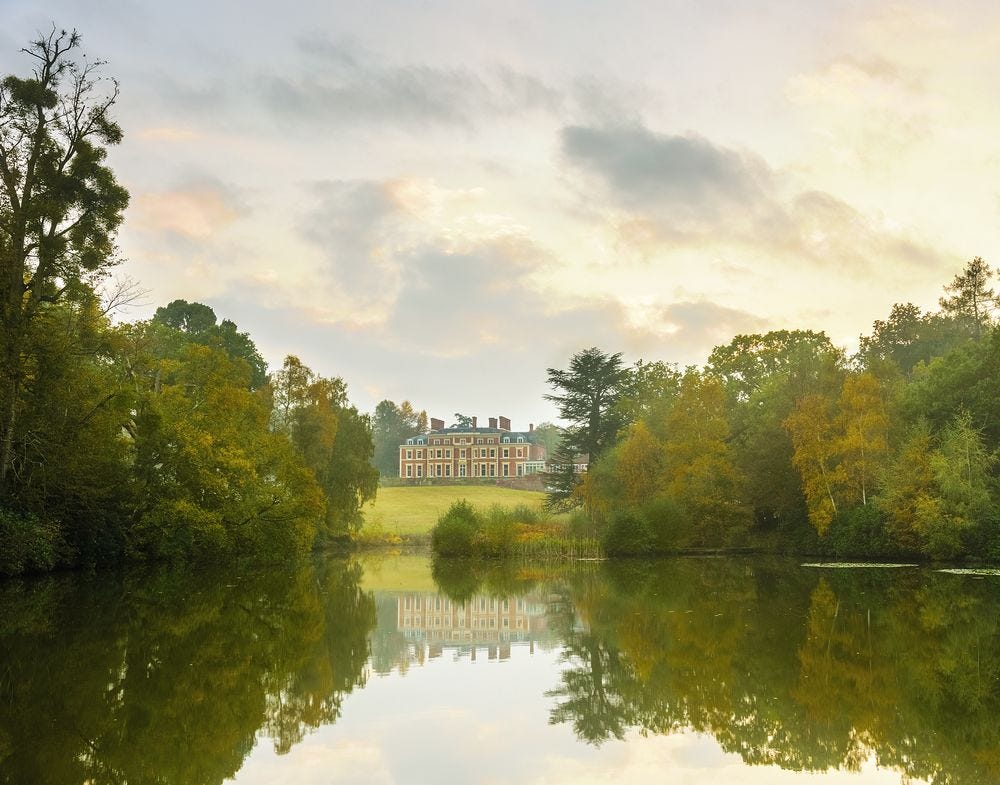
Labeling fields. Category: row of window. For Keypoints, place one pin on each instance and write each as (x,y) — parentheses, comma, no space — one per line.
(520,452)
(463,440)
(482,604)
(490,623)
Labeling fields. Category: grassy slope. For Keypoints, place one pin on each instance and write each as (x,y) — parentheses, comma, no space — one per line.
(410,511)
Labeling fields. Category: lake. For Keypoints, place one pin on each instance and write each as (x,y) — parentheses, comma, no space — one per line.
(394,669)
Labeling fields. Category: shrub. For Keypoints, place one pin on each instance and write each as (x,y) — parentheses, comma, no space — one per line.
(27,544)
(669,526)
(628,534)
(860,532)
(456,531)
(498,534)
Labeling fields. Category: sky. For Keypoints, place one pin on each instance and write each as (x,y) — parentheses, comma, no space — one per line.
(437,201)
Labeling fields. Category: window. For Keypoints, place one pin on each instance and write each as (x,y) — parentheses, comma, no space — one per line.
(506,470)
(447,453)
(409,471)
(493,452)
(420,471)
(506,452)
(409,455)
(520,439)
(447,470)
(438,469)
(461,453)
(447,441)
(479,441)
(493,470)
(461,470)
(520,453)
(438,453)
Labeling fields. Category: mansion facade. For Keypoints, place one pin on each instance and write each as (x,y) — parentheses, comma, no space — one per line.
(461,452)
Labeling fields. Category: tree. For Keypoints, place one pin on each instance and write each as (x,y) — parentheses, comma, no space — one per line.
(391,426)
(199,323)
(971,300)
(863,424)
(698,470)
(587,394)
(333,439)
(462,421)
(187,317)
(60,205)
(815,442)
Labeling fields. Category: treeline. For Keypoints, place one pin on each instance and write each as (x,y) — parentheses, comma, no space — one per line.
(162,439)
(165,439)
(783,441)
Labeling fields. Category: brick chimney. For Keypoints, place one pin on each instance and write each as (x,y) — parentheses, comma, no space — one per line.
(531,427)
(474,420)
(493,422)
(504,423)
(436,424)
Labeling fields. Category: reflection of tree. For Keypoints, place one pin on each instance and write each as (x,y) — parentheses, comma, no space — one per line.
(167,678)
(788,667)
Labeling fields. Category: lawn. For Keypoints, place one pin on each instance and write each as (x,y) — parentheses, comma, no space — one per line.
(413,511)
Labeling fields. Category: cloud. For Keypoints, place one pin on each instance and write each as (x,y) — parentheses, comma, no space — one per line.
(701,326)
(357,227)
(684,191)
(685,174)
(194,210)
(342,84)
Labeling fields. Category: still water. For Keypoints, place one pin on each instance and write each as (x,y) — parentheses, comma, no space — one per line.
(392,669)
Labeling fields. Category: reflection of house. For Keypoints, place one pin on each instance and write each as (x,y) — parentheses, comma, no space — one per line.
(461,452)
(491,621)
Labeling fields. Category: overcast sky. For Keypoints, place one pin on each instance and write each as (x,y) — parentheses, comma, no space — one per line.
(438,200)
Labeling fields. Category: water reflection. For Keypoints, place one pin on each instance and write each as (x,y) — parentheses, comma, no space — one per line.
(175,678)
(167,678)
(798,668)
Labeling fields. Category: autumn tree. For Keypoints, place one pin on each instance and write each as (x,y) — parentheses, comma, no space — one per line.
(698,470)
(816,445)
(60,204)
(863,424)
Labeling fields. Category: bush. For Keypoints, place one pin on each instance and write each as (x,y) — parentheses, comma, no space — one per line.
(27,544)
(628,534)
(669,526)
(498,534)
(456,531)
(860,532)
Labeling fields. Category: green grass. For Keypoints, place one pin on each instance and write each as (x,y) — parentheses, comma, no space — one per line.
(411,512)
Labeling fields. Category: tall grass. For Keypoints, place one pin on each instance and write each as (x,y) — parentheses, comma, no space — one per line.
(520,532)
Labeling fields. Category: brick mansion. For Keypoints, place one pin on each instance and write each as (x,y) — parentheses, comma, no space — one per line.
(460,452)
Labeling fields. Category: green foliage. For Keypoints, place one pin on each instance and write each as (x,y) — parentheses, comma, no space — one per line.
(860,532)
(27,544)
(587,395)
(391,426)
(628,534)
(457,530)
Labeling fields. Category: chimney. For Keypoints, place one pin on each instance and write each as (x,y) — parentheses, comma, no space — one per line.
(474,420)
(436,424)
(493,422)
(504,424)
(531,427)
